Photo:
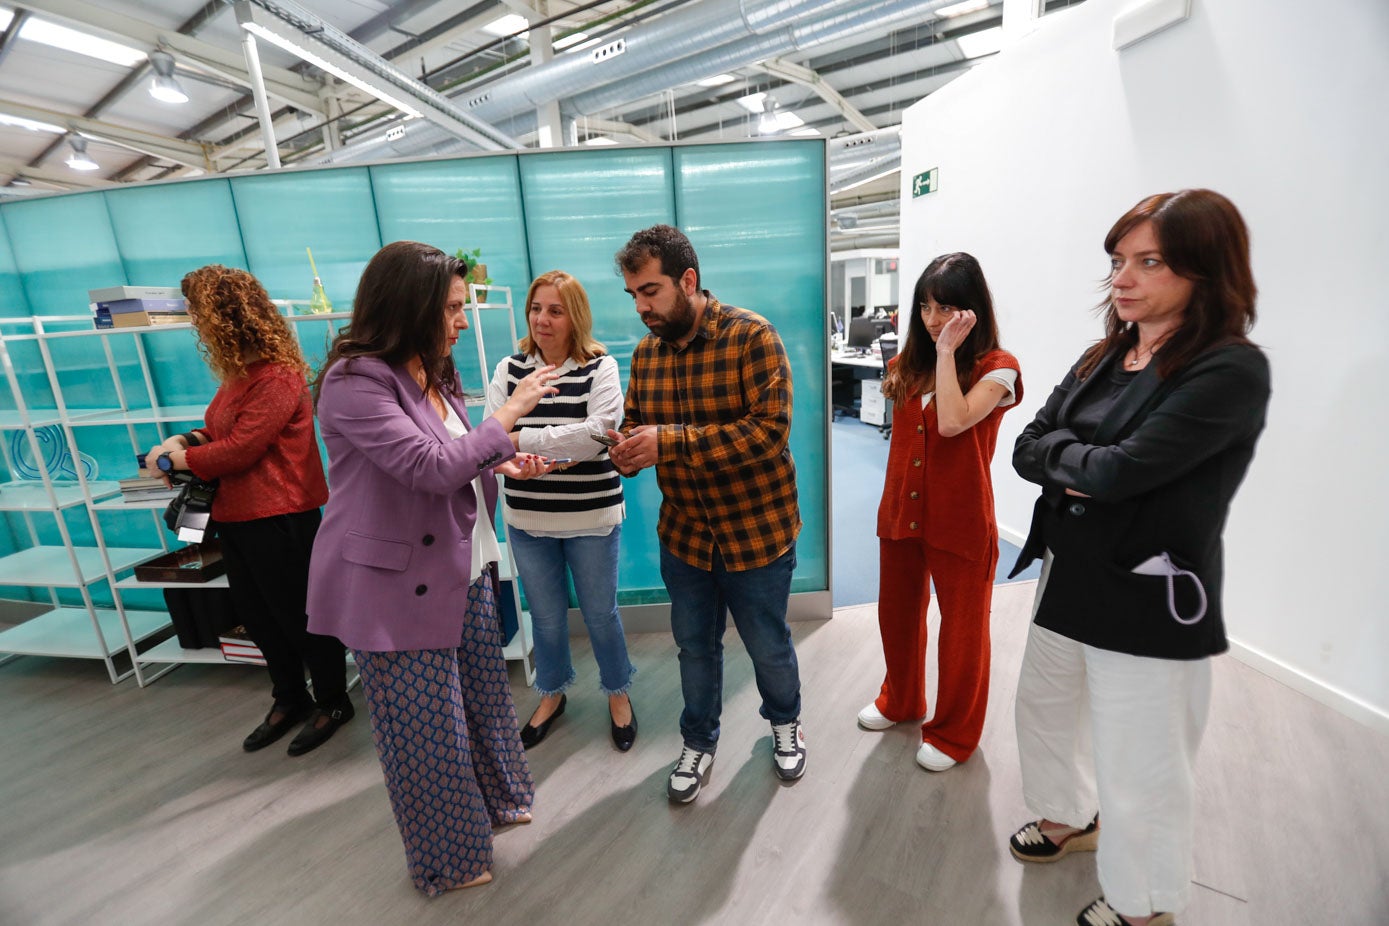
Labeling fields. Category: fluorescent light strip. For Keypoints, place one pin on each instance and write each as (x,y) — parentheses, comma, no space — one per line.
(294,48)
(960,9)
(56,36)
(507,25)
(31,125)
(977,44)
(572,39)
(718,80)
(753,102)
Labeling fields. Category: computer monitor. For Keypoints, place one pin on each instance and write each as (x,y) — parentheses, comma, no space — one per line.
(864,331)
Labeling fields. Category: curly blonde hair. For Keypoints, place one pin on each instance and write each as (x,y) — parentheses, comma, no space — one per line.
(232,314)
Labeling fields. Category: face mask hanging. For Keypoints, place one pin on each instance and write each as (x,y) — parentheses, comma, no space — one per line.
(1162,565)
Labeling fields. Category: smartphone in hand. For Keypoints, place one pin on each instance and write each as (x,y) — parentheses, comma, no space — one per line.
(607,440)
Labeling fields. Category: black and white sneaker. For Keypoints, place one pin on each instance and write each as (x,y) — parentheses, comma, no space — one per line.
(691,773)
(788,750)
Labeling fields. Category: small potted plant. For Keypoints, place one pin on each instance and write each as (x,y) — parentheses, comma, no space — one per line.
(476,270)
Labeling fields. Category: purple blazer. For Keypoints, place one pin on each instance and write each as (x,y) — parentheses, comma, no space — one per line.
(391,561)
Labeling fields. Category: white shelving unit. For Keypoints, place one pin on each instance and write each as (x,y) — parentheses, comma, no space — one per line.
(117,633)
(112,634)
(519,647)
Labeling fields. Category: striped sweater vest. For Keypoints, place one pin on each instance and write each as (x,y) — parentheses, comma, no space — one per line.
(587,494)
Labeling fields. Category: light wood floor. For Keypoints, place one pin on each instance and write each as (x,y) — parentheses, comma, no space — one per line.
(128,806)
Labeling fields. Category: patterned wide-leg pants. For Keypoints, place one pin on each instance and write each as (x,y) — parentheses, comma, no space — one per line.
(445,730)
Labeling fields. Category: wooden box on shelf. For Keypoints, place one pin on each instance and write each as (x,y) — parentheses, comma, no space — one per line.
(196,562)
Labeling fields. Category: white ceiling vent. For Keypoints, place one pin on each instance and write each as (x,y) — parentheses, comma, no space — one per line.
(610,50)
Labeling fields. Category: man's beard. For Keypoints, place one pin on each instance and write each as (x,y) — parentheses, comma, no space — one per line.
(679,323)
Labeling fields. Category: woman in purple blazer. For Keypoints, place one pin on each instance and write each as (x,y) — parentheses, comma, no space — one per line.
(403,567)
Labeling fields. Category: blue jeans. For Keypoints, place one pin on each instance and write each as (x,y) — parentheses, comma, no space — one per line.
(700,602)
(544,565)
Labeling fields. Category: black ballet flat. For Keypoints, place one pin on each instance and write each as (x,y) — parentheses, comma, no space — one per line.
(315,734)
(268,732)
(532,735)
(624,737)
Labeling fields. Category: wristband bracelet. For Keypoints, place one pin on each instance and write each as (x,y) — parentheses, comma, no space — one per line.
(191,439)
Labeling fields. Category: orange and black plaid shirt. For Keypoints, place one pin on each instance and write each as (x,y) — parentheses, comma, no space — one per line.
(723,404)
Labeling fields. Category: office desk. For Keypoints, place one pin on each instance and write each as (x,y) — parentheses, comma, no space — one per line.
(857,376)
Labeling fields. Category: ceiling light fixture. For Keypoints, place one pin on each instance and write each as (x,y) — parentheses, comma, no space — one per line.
(165,87)
(79,159)
(753,102)
(718,80)
(978,44)
(776,120)
(56,36)
(508,25)
(960,9)
(573,38)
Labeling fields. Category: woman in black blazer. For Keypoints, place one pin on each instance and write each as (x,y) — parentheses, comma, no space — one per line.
(1138,452)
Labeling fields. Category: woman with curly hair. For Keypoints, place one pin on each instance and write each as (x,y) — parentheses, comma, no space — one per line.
(258,443)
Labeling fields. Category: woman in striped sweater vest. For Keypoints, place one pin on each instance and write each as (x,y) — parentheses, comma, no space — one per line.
(950,386)
(568,523)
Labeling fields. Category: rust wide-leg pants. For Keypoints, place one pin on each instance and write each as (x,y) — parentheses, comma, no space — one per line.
(965,589)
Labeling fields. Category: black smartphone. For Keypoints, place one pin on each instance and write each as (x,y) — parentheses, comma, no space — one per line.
(607,440)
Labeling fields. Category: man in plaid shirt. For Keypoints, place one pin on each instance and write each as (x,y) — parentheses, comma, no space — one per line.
(709,405)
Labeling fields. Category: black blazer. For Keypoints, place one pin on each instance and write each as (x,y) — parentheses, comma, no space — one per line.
(1161,472)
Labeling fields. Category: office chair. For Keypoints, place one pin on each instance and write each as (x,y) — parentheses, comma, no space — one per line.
(889,350)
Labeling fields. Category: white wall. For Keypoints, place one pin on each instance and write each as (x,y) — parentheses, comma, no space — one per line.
(1283,107)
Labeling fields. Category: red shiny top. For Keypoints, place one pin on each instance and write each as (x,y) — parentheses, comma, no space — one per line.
(263,449)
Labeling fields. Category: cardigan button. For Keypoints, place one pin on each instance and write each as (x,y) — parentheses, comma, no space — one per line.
(920,429)
(427,539)
(421,589)
(912,525)
(916,462)
(915,494)
(1076,509)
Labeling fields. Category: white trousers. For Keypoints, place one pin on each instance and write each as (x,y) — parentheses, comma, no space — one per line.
(1109,732)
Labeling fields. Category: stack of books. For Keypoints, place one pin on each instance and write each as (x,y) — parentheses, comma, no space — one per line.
(237,647)
(138,306)
(145,488)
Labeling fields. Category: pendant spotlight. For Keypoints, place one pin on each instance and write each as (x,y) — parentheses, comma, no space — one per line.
(165,87)
(79,159)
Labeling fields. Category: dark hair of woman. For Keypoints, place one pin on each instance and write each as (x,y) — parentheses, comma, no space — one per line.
(955,280)
(233,314)
(1203,238)
(398,313)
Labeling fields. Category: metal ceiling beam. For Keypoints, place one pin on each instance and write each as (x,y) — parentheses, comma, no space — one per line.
(286,86)
(161,146)
(65,179)
(12,32)
(805,77)
(310,36)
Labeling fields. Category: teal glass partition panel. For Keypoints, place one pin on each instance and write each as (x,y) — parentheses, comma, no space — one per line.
(64,246)
(13,302)
(166,230)
(331,211)
(756,214)
(464,203)
(581,206)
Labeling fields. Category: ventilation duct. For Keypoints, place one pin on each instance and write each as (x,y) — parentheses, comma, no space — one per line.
(303,33)
(843,20)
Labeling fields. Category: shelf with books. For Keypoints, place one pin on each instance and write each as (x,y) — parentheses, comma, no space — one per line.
(120,636)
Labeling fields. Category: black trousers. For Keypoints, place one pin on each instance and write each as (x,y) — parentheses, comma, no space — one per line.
(268,571)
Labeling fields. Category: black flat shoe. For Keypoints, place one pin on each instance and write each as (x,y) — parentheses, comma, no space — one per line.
(624,737)
(532,735)
(268,732)
(313,735)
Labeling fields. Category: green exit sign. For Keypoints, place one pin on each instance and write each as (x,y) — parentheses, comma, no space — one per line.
(925,183)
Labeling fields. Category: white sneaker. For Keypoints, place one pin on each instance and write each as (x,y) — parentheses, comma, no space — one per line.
(932,759)
(788,750)
(691,773)
(870,718)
